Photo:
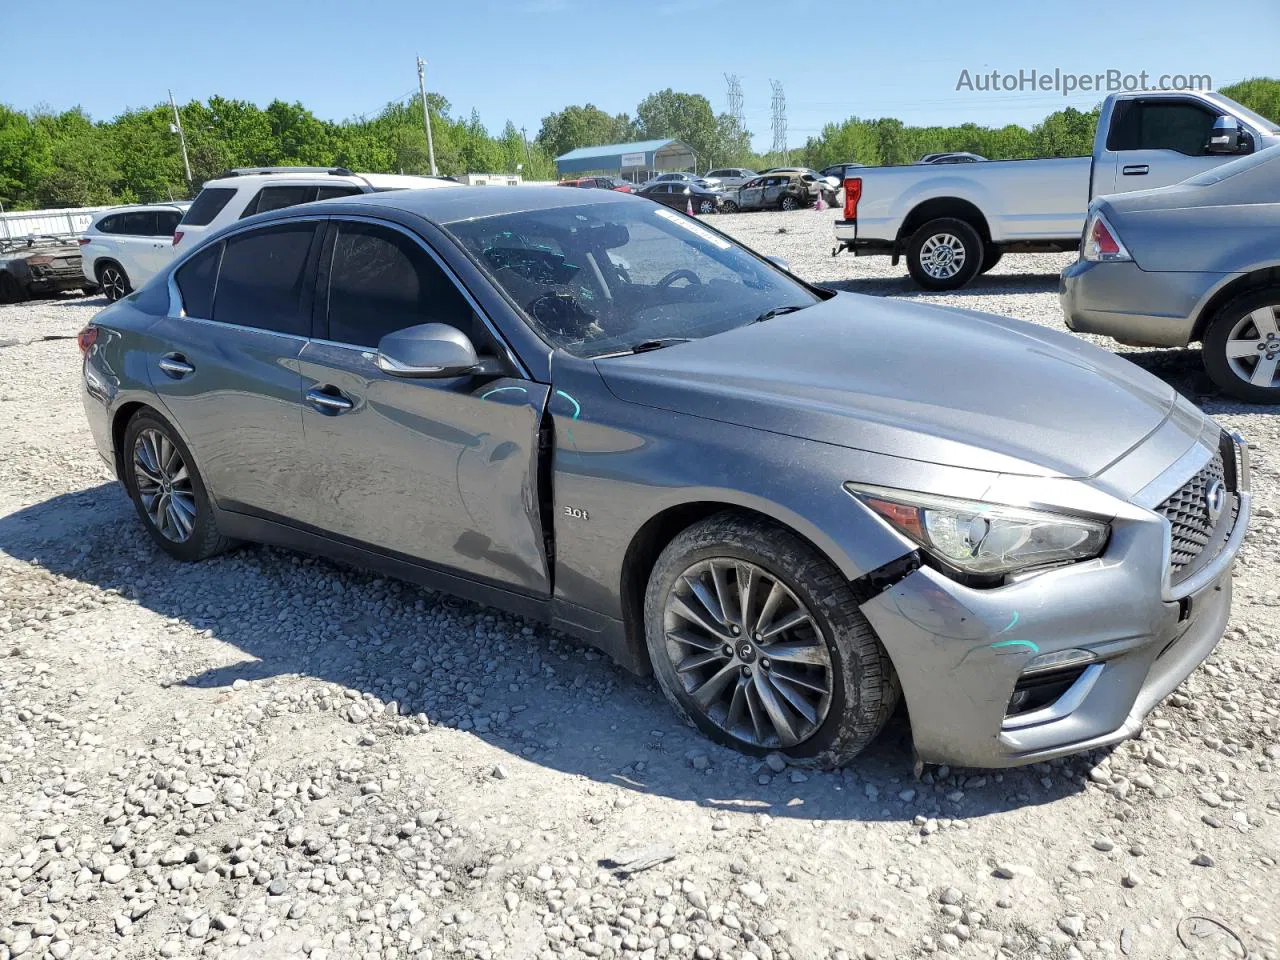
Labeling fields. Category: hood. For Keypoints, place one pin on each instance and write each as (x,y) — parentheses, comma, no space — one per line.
(910,380)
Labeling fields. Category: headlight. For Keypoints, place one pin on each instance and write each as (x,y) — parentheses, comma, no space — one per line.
(984,538)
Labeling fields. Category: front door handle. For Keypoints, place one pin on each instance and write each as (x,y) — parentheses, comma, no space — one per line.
(328,400)
(1135,170)
(175,365)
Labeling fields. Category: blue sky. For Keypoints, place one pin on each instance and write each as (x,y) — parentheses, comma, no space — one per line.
(521,59)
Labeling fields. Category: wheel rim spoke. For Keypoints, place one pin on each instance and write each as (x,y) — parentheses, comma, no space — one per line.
(1264,318)
(1265,372)
(1243,349)
(164,485)
(769,686)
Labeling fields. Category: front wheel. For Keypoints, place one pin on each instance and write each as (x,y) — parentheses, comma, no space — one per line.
(757,640)
(1241,348)
(789,203)
(706,206)
(729,207)
(944,254)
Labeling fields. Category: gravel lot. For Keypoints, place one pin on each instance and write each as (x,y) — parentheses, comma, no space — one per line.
(269,755)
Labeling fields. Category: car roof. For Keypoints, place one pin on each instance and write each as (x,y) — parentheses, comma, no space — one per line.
(465,203)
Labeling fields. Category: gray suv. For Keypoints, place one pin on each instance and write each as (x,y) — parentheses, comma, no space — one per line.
(1193,262)
(795,507)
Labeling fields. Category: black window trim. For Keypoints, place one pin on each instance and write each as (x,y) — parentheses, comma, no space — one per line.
(1142,103)
(320,315)
(177,308)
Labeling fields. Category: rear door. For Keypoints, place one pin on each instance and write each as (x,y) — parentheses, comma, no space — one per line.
(438,471)
(1156,142)
(228,371)
(157,253)
(132,240)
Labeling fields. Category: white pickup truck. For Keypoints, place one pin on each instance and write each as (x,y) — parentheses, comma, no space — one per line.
(955,221)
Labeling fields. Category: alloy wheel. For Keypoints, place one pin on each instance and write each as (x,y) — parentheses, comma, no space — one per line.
(748,653)
(163,482)
(1253,347)
(706,206)
(942,256)
(113,284)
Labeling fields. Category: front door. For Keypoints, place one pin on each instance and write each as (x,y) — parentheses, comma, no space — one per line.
(751,194)
(1153,143)
(442,471)
(226,372)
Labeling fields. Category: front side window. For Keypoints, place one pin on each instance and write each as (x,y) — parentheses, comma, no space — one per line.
(261,280)
(600,279)
(1164,125)
(381,281)
(208,205)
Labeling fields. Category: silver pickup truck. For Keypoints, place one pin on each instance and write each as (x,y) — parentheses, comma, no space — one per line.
(955,221)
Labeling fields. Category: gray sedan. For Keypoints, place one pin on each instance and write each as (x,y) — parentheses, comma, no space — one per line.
(796,508)
(1192,262)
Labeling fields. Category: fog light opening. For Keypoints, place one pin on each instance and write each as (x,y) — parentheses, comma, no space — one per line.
(1042,689)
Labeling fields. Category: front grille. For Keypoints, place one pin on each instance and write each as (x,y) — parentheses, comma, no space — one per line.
(1188,514)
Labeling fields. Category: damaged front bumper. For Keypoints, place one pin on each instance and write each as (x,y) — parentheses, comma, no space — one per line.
(1129,633)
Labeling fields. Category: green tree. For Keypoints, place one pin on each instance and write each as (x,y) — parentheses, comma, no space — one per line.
(1260,94)
(584,126)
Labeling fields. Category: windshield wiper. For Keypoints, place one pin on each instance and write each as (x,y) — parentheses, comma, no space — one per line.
(777,312)
(644,346)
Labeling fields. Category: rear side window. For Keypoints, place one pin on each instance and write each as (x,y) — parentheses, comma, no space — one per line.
(381,281)
(208,205)
(260,282)
(277,198)
(196,280)
(166,222)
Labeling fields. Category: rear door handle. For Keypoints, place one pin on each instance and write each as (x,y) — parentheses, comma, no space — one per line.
(1135,170)
(328,400)
(175,365)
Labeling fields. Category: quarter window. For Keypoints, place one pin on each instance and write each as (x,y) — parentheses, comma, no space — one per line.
(196,280)
(381,281)
(328,193)
(261,280)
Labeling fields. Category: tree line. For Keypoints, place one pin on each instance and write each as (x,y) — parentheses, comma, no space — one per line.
(68,159)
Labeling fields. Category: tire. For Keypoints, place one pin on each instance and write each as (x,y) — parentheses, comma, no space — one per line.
(202,540)
(789,203)
(729,206)
(90,291)
(990,257)
(934,269)
(706,206)
(112,280)
(1251,321)
(861,687)
(10,290)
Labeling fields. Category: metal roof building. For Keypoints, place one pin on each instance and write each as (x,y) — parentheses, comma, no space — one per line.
(644,156)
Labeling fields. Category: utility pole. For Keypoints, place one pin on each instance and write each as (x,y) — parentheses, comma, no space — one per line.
(182,137)
(426,116)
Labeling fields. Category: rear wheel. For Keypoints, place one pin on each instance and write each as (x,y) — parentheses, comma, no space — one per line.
(1241,348)
(168,491)
(758,641)
(944,254)
(113,281)
(706,206)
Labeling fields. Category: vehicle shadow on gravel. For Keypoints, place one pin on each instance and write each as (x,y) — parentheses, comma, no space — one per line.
(515,684)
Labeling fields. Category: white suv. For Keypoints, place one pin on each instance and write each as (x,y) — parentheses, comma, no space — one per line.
(243,192)
(124,247)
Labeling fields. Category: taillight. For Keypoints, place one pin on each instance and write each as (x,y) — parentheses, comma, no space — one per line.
(1101,242)
(177,237)
(852,194)
(83,240)
(86,338)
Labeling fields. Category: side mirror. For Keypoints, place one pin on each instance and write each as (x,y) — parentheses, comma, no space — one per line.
(427,350)
(1227,137)
(780,263)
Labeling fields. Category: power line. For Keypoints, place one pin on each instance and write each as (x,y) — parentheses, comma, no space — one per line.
(779,105)
(734,99)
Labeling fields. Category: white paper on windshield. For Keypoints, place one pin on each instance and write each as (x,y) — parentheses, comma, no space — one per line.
(702,233)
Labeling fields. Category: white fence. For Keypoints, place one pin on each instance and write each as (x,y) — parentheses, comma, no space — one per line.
(25,223)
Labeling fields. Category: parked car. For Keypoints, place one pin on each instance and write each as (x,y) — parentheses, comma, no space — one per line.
(950,158)
(124,247)
(730,178)
(840,170)
(245,191)
(956,223)
(684,195)
(1192,262)
(817,183)
(599,183)
(39,266)
(775,191)
(765,492)
(681,177)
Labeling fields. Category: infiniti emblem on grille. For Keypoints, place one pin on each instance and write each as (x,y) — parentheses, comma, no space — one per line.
(1215,499)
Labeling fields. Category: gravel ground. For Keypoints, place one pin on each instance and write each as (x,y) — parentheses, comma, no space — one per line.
(268,755)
